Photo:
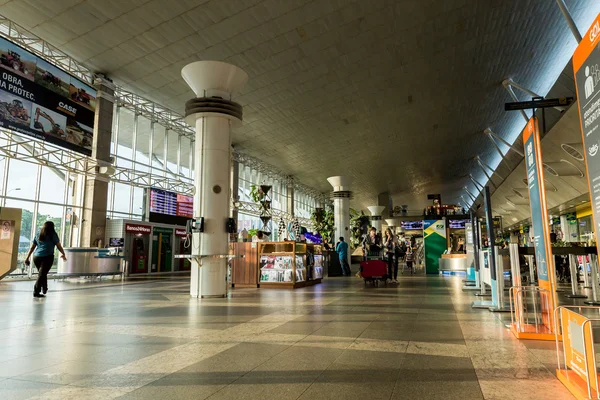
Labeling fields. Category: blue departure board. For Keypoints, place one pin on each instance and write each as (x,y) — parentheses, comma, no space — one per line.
(163,202)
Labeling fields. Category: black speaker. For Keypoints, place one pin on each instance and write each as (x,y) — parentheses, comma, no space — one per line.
(230,226)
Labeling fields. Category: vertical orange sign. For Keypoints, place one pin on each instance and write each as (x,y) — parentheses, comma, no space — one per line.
(577,344)
(539,220)
(586,65)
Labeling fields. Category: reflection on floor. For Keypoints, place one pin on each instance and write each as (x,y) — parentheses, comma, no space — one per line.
(339,340)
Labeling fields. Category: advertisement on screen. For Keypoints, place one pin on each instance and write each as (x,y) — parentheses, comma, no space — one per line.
(42,101)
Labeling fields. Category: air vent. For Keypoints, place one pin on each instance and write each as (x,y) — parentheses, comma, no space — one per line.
(515,191)
(510,203)
(572,151)
(550,186)
(581,174)
(550,170)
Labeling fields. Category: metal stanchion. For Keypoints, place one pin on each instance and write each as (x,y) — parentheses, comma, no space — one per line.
(531,270)
(515,264)
(594,281)
(500,305)
(573,266)
(586,276)
(481,283)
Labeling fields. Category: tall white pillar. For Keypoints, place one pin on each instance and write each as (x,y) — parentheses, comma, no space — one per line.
(376,217)
(341,207)
(212,113)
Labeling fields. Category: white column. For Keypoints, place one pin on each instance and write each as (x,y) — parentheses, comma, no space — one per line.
(212,113)
(376,217)
(341,207)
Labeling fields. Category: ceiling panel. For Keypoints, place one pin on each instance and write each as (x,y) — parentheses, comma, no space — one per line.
(395,94)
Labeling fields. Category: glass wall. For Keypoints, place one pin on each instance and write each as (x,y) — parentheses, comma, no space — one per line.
(304,203)
(51,191)
(145,146)
(43,193)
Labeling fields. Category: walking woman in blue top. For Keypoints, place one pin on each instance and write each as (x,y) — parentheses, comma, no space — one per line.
(43,256)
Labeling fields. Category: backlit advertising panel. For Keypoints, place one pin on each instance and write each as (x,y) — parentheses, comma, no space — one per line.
(43,101)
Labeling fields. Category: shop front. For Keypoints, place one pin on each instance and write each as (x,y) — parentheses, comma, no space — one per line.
(148,247)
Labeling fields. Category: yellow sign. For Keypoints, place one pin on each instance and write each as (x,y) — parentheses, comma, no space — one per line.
(577,341)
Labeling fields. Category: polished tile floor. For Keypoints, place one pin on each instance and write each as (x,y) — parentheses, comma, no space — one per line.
(338,340)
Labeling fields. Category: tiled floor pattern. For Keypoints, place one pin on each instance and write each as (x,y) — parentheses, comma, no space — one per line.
(338,340)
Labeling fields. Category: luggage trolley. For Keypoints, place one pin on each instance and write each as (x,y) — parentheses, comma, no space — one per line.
(374,268)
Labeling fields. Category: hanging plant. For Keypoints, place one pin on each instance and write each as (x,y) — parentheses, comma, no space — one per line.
(266,205)
(281,227)
(256,193)
(323,222)
(358,223)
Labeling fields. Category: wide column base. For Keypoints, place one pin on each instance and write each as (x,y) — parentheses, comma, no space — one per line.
(209,279)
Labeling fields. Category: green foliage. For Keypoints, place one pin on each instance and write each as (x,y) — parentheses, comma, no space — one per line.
(256,193)
(252,232)
(27,222)
(323,221)
(357,221)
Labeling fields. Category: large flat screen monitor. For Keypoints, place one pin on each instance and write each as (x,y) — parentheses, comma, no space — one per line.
(411,225)
(169,207)
(457,223)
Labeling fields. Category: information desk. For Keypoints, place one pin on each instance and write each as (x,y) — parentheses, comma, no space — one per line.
(289,264)
(453,262)
(83,261)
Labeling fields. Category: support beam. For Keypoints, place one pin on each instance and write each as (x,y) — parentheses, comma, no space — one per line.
(494,136)
(508,86)
(93,222)
(477,184)
(491,138)
(485,168)
(474,198)
(485,172)
(572,26)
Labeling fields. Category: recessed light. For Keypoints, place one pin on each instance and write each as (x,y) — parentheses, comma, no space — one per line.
(583,201)
(571,205)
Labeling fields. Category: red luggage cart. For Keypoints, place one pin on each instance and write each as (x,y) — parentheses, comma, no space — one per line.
(374,271)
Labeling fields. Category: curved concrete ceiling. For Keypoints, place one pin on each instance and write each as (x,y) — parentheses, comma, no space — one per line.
(394,94)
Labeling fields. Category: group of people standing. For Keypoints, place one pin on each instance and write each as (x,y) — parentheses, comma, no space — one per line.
(393,250)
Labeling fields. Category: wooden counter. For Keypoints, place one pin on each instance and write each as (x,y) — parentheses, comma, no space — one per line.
(244,271)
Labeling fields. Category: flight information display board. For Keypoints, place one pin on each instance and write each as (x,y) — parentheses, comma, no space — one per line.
(411,225)
(185,206)
(457,223)
(163,202)
(169,208)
